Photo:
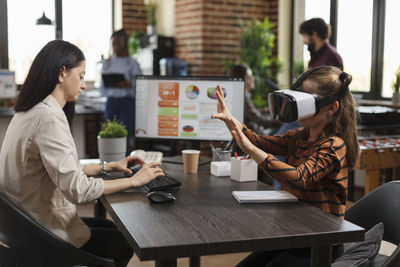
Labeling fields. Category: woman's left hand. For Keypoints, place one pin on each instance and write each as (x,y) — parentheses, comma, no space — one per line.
(123,164)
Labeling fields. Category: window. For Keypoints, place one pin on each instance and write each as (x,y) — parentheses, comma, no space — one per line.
(367,42)
(25,38)
(88,28)
(354,41)
(315,9)
(391,60)
(87,24)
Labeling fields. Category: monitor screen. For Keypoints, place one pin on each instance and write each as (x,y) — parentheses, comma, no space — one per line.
(170,107)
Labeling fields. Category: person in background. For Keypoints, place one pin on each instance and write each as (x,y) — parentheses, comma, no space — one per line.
(316,35)
(252,117)
(39,168)
(120,102)
(319,155)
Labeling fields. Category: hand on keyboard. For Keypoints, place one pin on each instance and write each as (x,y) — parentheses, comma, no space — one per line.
(147,173)
(162,183)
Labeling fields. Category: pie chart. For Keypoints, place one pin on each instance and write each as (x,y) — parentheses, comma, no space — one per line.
(212,92)
(192,91)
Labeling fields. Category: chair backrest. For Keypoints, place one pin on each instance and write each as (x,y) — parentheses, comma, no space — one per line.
(34,245)
(380,205)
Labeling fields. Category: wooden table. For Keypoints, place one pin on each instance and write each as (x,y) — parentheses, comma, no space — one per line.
(206,220)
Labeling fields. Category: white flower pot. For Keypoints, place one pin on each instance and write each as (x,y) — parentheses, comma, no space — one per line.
(111,149)
(396,98)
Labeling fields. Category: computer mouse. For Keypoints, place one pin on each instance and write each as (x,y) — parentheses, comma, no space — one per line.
(160,197)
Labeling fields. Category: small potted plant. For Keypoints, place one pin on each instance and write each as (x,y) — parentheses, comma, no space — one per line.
(396,87)
(112,140)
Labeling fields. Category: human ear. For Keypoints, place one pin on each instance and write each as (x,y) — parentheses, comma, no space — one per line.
(62,75)
(333,107)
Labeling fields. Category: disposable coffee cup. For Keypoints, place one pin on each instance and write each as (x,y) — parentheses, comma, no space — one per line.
(190,160)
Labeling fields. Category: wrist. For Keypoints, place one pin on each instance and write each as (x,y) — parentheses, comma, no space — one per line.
(110,166)
(103,170)
(134,182)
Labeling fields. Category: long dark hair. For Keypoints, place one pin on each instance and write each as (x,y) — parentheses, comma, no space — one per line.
(43,75)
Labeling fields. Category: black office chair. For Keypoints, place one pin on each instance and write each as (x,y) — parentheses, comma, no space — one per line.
(380,205)
(31,244)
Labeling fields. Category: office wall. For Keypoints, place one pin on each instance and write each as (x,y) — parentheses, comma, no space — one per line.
(207,31)
(134,16)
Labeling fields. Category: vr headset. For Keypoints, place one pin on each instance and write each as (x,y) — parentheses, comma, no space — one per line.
(292,105)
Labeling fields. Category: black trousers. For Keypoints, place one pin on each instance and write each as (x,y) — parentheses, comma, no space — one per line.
(300,257)
(107,241)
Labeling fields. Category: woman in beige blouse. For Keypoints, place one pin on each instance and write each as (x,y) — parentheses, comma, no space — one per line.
(39,168)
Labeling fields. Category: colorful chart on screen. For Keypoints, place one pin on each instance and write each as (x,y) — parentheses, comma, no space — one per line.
(192,91)
(212,92)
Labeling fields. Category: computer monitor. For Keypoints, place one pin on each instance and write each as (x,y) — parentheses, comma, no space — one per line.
(170,107)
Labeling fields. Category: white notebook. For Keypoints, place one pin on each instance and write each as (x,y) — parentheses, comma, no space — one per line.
(269,196)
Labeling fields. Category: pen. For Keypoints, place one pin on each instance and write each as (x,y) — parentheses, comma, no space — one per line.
(245,156)
(235,155)
(212,147)
(228,145)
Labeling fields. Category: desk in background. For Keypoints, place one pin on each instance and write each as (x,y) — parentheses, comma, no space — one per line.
(206,220)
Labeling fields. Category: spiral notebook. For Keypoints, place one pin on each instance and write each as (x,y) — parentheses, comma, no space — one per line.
(269,196)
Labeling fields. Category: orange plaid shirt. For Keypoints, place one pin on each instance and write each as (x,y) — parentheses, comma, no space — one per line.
(316,172)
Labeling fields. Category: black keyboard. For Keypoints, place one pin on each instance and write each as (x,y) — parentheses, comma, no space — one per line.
(161,183)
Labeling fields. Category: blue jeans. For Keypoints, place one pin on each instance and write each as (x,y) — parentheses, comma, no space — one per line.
(122,108)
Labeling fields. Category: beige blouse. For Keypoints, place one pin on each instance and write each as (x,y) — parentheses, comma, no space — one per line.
(39,171)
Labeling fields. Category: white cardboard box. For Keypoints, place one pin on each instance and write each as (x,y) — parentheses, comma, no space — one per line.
(220,168)
(243,170)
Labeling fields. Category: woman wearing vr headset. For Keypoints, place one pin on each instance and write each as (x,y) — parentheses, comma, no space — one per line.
(319,154)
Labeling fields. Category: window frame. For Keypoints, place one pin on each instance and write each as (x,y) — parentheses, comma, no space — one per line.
(4,53)
(378,44)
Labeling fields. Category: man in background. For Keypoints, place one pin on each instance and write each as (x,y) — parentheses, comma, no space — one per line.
(316,35)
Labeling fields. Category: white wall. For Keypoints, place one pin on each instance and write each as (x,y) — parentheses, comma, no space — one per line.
(165,17)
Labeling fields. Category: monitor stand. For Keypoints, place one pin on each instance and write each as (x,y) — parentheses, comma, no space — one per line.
(179,160)
(187,145)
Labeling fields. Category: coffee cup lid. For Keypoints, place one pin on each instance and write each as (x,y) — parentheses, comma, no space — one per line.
(191,151)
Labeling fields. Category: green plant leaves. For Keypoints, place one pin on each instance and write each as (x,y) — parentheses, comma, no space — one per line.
(258,43)
(113,129)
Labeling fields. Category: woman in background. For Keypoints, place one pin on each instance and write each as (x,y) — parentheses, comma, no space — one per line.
(253,117)
(121,99)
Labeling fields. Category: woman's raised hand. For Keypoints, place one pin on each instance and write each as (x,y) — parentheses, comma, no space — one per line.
(223,112)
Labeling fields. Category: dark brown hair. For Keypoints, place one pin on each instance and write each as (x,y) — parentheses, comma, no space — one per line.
(317,25)
(343,123)
(238,70)
(123,35)
(43,75)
